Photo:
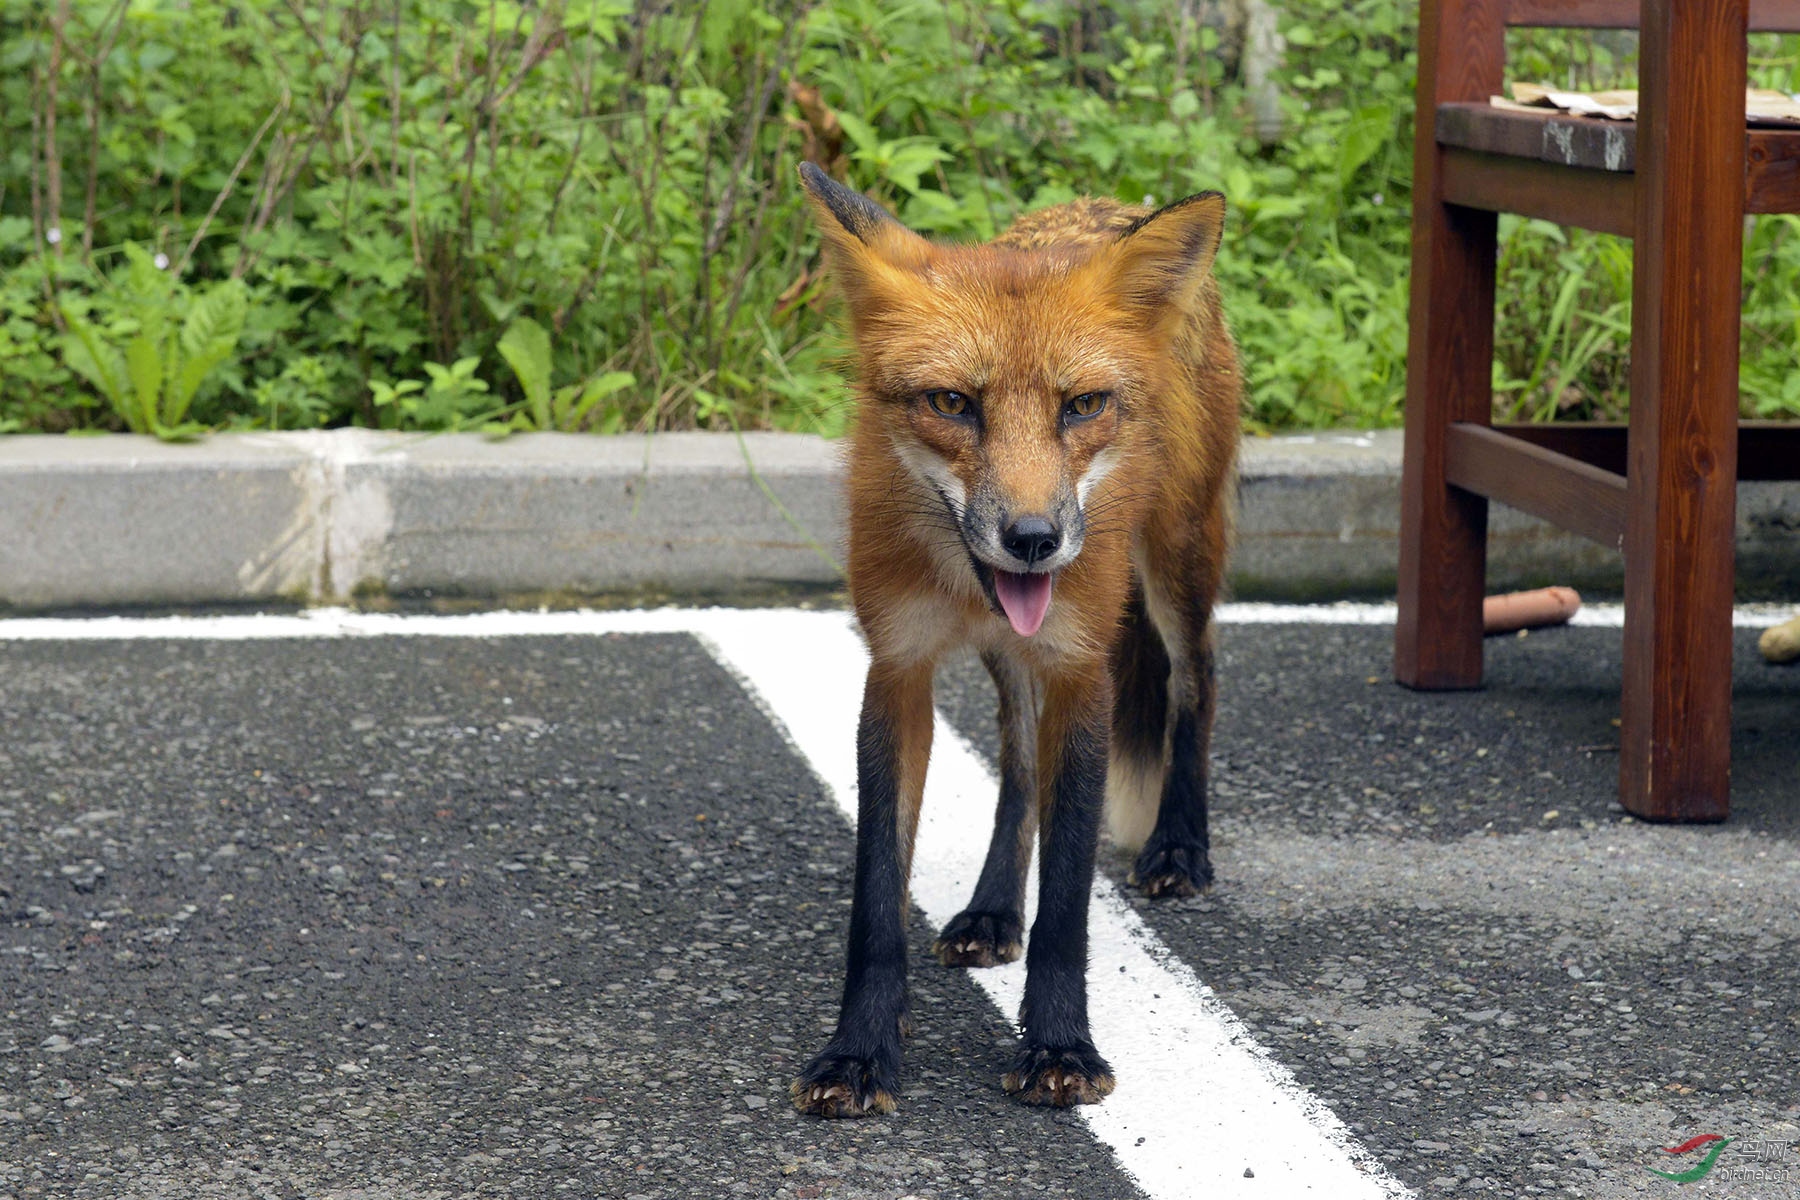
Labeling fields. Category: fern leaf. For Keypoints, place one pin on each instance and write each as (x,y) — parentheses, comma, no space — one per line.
(209,336)
(526,348)
(144,367)
(88,355)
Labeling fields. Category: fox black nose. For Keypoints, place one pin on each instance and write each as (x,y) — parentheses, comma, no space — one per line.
(1030,539)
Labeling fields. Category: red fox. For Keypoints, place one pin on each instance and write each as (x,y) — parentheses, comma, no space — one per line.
(1041,468)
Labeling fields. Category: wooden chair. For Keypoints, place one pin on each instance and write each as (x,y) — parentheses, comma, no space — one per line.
(1661,489)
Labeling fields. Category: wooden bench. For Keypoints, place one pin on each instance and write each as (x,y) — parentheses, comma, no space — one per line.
(1662,489)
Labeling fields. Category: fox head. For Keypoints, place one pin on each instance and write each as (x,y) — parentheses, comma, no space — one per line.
(1019,385)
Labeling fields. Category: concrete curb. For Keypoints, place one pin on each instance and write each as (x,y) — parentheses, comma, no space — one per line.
(332,515)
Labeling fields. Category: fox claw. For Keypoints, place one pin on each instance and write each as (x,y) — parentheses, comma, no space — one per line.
(1172,871)
(844,1085)
(977,939)
(1059,1077)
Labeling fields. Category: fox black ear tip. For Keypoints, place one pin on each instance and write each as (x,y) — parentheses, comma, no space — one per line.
(1210,196)
(813,177)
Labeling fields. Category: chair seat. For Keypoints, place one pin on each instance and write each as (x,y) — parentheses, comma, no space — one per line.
(1577,170)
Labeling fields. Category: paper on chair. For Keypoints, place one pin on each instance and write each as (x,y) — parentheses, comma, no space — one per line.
(1762,106)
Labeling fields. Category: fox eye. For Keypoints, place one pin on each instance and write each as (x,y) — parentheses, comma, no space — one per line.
(948,404)
(1088,404)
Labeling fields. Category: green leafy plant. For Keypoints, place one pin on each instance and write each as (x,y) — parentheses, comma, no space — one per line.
(526,348)
(397,398)
(451,398)
(163,342)
(405,190)
(298,396)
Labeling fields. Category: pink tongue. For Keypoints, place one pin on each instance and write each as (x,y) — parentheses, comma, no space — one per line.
(1025,598)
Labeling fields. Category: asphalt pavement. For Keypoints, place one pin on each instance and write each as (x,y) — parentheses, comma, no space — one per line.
(560,915)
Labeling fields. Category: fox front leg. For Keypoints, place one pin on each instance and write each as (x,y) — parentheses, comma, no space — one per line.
(991,930)
(1057,1063)
(858,1072)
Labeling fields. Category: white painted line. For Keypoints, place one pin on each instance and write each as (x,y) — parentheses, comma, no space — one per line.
(1198,1100)
(1305,614)
(1744,616)
(343,622)
(1601,616)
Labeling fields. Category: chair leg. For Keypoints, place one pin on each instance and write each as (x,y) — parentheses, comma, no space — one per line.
(1675,710)
(1443,529)
(1675,699)
(1450,362)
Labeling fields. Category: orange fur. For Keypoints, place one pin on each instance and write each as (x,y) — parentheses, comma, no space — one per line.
(1057,305)
(1051,415)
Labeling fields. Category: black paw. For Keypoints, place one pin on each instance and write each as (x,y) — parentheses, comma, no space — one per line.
(980,939)
(1058,1077)
(845,1085)
(1172,870)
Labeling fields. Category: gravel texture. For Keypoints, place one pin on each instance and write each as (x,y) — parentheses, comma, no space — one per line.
(1430,907)
(444,918)
(436,918)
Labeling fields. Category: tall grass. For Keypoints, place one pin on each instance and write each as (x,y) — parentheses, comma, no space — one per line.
(582,213)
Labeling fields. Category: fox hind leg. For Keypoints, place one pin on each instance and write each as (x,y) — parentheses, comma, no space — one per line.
(991,930)
(1176,856)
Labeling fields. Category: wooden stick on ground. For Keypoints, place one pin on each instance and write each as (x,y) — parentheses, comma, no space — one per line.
(1529,610)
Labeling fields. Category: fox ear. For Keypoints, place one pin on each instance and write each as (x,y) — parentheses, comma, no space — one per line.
(1162,259)
(852,212)
(866,247)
